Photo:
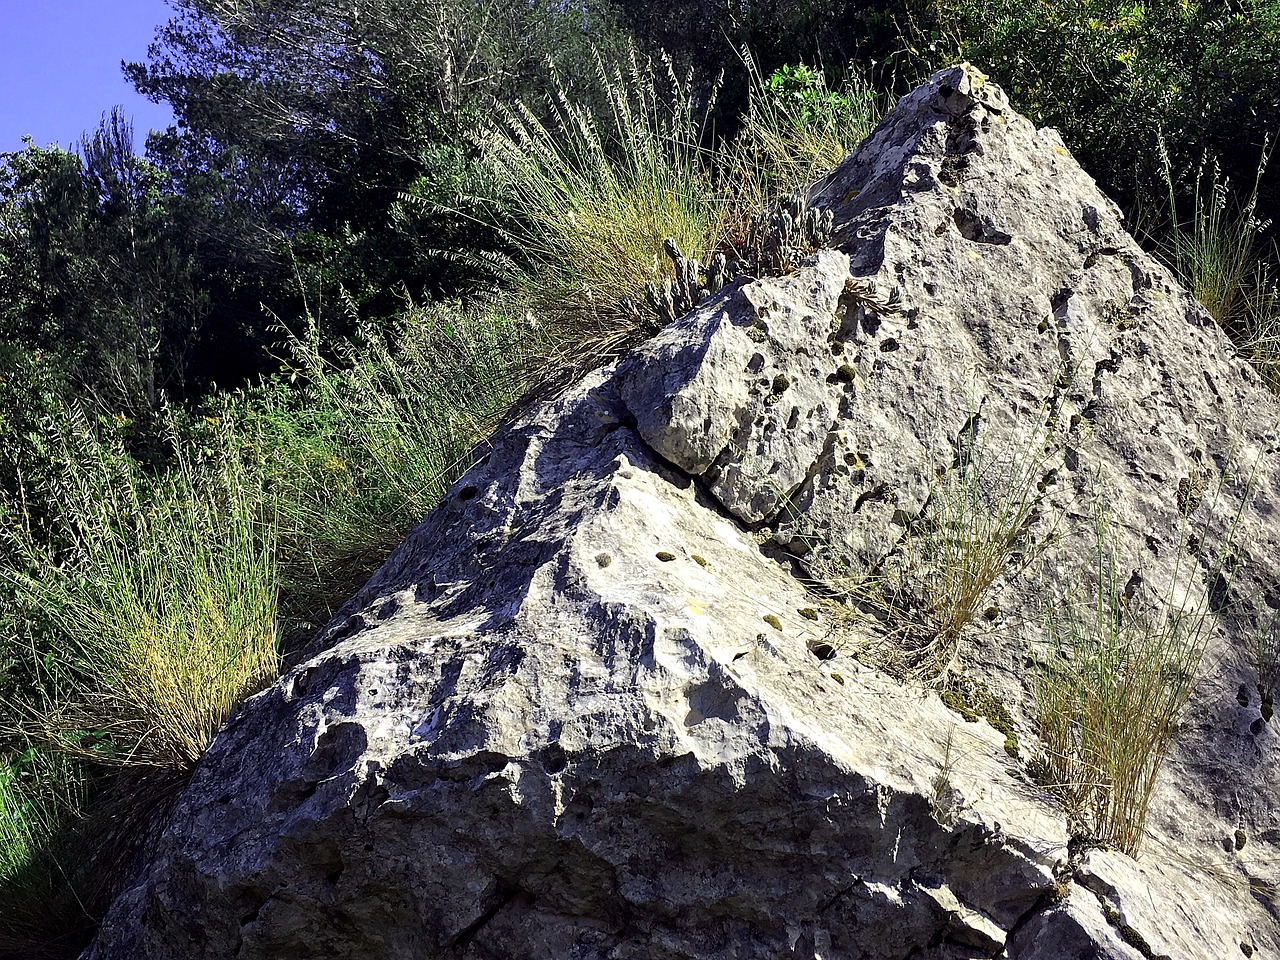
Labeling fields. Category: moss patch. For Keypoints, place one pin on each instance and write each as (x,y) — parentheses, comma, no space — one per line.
(974,701)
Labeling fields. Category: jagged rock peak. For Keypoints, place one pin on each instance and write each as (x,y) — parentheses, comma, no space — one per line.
(593,706)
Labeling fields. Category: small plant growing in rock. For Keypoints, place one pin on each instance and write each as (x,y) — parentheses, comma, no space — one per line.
(1264,653)
(945,800)
(976,528)
(980,523)
(692,283)
(973,700)
(1110,698)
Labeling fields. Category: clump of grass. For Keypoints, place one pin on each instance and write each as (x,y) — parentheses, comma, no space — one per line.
(587,204)
(1264,655)
(973,531)
(139,610)
(1215,253)
(1109,701)
(796,130)
(1256,328)
(934,583)
(370,433)
(156,595)
(945,801)
(42,909)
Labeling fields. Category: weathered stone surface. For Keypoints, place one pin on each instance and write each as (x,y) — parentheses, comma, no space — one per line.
(579,712)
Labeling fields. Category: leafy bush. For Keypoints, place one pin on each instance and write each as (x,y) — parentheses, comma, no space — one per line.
(1115,75)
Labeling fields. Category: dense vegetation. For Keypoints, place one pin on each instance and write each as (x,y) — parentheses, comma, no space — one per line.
(242,359)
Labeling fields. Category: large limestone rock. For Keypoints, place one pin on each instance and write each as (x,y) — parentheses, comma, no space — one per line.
(589,709)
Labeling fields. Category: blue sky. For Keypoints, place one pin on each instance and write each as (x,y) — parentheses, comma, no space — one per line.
(60,67)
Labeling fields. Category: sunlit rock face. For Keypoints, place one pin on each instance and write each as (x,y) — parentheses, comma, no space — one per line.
(590,707)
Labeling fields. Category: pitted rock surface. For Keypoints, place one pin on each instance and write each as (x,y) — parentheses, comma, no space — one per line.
(579,714)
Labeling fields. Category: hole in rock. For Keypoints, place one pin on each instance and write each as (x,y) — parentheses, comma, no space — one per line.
(978,229)
(554,760)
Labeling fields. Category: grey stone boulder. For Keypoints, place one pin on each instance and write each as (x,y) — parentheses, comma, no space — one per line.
(601,703)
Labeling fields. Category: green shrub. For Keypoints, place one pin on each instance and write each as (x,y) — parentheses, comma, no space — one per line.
(1114,76)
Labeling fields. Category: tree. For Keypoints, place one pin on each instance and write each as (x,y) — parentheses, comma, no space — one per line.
(90,271)
(326,110)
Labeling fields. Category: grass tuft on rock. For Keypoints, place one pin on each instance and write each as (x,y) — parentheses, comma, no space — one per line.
(1110,697)
(360,439)
(586,204)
